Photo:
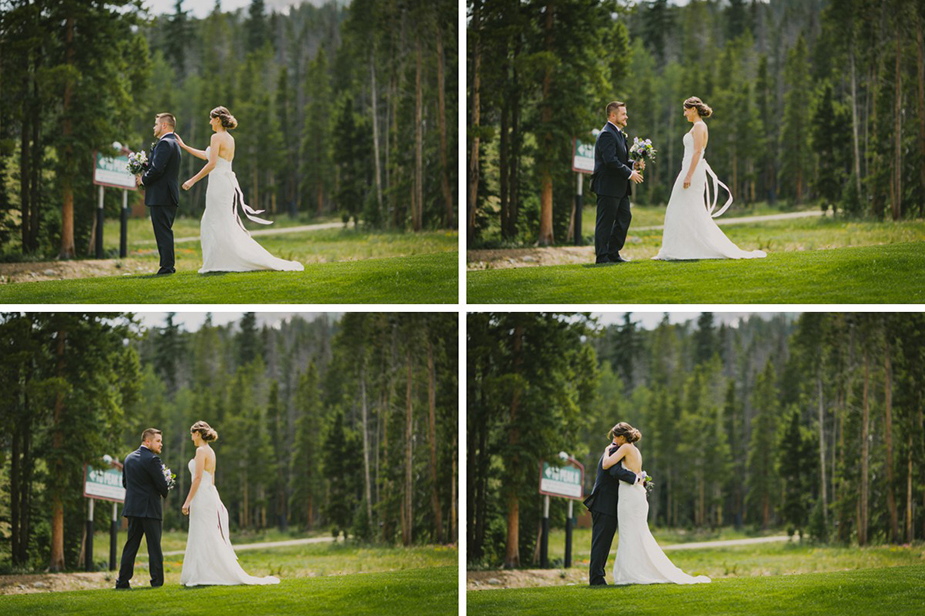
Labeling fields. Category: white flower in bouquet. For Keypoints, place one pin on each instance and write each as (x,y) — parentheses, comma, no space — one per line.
(647,481)
(642,148)
(170,477)
(137,162)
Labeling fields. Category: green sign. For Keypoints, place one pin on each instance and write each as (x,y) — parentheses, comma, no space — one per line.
(582,157)
(561,480)
(113,172)
(104,484)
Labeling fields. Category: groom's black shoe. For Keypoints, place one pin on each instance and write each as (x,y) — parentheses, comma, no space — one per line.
(165,272)
(123,587)
(616,258)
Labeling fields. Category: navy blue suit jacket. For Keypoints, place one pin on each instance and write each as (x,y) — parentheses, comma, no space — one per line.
(612,164)
(606,492)
(145,485)
(161,180)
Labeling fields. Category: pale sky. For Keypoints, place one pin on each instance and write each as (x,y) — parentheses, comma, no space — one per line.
(650,320)
(192,321)
(201,8)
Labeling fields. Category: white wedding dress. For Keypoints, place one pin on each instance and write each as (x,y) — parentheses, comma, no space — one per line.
(210,559)
(226,244)
(690,232)
(639,559)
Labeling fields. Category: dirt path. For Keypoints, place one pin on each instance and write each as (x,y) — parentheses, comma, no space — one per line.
(58,582)
(578,574)
(507,258)
(91,268)
(261,232)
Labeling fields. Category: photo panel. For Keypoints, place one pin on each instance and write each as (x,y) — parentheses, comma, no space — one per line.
(283,459)
(754,458)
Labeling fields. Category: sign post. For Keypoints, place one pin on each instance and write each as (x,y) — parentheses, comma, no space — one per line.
(582,163)
(103,484)
(567,482)
(113,172)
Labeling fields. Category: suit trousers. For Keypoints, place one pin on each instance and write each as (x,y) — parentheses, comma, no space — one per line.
(613,222)
(150,528)
(162,218)
(603,527)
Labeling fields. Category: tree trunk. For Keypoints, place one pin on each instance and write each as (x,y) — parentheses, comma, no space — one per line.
(546,237)
(452,536)
(441,121)
(406,510)
(67,190)
(512,546)
(473,188)
(418,214)
(865,457)
(372,77)
(909,537)
(896,187)
(24,170)
(888,433)
(432,434)
(368,485)
(504,169)
(516,142)
(56,561)
(825,502)
(854,125)
(920,99)
(15,488)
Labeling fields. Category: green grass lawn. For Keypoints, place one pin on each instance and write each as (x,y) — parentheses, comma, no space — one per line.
(778,558)
(306,560)
(896,591)
(414,591)
(892,273)
(422,278)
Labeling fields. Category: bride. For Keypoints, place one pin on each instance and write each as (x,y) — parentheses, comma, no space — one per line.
(209,559)
(690,232)
(226,244)
(639,559)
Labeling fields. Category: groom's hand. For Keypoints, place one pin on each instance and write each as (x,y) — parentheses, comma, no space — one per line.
(636,177)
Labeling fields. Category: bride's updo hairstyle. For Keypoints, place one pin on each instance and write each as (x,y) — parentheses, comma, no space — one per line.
(205,431)
(228,120)
(702,108)
(627,431)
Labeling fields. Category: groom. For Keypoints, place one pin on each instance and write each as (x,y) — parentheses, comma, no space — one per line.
(611,179)
(145,486)
(603,505)
(162,187)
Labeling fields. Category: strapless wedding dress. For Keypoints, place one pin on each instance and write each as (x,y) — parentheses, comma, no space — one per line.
(639,559)
(210,559)
(226,244)
(690,232)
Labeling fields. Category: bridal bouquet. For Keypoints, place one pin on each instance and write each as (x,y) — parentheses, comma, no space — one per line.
(170,477)
(137,162)
(647,481)
(642,149)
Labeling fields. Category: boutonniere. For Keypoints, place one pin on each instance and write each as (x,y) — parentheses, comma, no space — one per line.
(623,132)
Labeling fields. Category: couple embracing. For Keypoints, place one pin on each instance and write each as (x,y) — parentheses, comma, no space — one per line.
(689,231)
(226,244)
(618,502)
(209,558)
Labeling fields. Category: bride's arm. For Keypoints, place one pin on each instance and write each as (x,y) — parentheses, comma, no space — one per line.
(197,478)
(615,456)
(207,168)
(699,134)
(197,153)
